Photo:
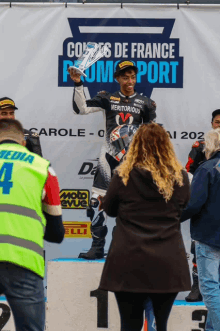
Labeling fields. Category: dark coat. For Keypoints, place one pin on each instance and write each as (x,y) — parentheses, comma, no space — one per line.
(147,253)
(203,206)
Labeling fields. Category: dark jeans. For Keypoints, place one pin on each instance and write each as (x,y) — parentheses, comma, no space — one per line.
(24,292)
(131,308)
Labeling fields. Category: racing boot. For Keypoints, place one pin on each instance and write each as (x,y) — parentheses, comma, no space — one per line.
(98,230)
(98,242)
(194,295)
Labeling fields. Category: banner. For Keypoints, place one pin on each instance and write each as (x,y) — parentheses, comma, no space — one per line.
(176,50)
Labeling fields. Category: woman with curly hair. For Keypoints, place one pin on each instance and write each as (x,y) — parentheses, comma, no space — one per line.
(147,257)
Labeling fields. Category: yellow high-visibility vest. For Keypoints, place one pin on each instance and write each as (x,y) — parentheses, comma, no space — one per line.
(22,223)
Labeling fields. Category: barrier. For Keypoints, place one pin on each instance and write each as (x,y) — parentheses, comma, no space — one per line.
(75,303)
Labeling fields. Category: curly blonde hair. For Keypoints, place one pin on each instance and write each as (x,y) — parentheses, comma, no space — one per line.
(151,149)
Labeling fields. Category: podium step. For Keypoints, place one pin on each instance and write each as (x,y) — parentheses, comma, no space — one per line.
(74,301)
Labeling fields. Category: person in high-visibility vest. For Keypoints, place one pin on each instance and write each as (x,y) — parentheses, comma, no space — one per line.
(30,212)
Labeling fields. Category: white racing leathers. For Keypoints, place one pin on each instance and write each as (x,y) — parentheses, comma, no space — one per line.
(117,109)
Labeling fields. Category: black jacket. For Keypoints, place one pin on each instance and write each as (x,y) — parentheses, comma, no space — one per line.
(33,142)
(196,156)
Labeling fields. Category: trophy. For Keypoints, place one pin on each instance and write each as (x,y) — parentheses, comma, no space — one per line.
(91,54)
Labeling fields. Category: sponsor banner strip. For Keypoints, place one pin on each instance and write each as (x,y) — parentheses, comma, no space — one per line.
(77,229)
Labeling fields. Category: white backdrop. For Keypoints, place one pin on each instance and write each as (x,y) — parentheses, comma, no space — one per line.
(38,41)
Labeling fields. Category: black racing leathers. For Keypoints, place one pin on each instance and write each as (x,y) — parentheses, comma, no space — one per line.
(117,109)
(196,156)
(32,142)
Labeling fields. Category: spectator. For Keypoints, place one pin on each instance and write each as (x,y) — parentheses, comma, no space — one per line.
(30,212)
(195,158)
(205,224)
(147,193)
(7,111)
(197,155)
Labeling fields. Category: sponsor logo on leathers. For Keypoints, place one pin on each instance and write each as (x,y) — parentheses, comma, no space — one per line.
(139,101)
(124,118)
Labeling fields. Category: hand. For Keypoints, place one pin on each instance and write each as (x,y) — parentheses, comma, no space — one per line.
(74,75)
(101,201)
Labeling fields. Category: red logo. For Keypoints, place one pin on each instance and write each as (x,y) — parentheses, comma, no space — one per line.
(77,229)
(122,117)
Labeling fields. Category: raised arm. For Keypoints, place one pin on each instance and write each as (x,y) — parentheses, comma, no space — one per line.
(82,106)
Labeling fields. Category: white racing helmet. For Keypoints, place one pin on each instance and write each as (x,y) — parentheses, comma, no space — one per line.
(120,139)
